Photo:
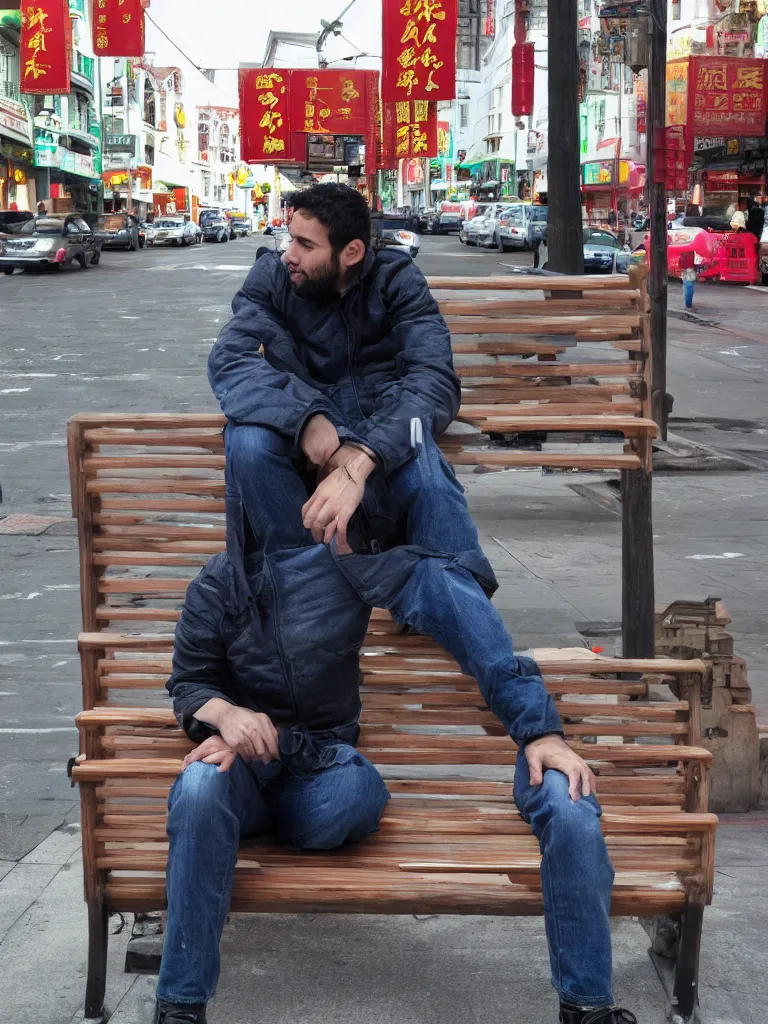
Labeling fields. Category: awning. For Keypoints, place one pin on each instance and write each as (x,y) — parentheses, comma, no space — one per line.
(168,184)
(85,137)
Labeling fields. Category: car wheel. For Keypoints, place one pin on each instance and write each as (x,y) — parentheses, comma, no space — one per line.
(82,259)
(184,243)
(96,259)
(224,238)
(8,270)
(462,236)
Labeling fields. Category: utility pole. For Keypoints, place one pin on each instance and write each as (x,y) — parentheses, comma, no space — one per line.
(564,232)
(657,279)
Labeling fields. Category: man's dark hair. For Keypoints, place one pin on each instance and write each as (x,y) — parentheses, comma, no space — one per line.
(340,208)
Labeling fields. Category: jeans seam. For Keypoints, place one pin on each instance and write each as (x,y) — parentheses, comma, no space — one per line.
(553,917)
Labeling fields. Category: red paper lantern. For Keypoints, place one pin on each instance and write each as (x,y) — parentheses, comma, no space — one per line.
(522,79)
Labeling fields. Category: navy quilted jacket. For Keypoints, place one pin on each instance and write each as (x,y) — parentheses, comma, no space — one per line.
(371,359)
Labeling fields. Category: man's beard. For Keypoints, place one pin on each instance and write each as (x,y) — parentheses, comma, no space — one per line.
(323,285)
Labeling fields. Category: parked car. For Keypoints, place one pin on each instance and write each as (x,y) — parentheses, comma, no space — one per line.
(447,217)
(478,231)
(49,241)
(603,254)
(522,226)
(173,231)
(240,225)
(215,226)
(119,231)
(396,230)
(483,227)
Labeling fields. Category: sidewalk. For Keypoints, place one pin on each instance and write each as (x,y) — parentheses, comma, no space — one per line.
(355,969)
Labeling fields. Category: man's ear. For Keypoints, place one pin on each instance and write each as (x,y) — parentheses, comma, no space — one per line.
(352,253)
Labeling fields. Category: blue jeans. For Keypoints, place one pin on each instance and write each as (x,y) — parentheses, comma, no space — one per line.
(440,596)
(210,810)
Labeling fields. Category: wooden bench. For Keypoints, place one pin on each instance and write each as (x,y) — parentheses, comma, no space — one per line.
(584,391)
(148,497)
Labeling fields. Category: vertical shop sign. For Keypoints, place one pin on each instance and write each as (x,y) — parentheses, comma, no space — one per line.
(419,55)
(265,132)
(45,47)
(118,28)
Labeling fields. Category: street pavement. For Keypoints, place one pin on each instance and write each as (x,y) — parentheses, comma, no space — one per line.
(133,335)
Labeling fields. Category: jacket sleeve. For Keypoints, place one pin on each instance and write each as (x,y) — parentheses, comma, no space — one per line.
(429,389)
(249,388)
(199,670)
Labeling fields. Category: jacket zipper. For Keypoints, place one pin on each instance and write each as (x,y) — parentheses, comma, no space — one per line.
(350,346)
(279,642)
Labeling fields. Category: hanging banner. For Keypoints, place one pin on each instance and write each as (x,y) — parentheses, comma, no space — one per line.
(419,55)
(373,122)
(329,102)
(45,53)
(718,96)
(265,134)
(118,28)
(413,128)
(388,160)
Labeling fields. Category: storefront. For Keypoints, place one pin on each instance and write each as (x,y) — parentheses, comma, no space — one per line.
(17,171)
(612,191)
(489,177)
(68,166)
(130,190)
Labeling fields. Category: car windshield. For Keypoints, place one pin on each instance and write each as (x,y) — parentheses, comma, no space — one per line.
(397,223)
(539,213)
(592,237)
(209,216)
(112,223)
(42,226)
(168,223)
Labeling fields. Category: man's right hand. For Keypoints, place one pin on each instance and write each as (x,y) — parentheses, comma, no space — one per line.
(319,440)
(249,734)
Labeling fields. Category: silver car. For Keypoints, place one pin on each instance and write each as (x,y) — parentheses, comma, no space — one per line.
(49,241)
(173,231)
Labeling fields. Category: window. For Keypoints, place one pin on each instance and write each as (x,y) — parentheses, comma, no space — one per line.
(202,138)
(206,176)
(149,154)
(149,103)
(463,115)
(497,96)
(224,144)
(494,145)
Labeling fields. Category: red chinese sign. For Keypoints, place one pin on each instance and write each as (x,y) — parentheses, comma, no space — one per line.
(419,56)
(118,28)
(677,158)
(718,96)
(46,47)
(265,133)
(326,102)
(410,129)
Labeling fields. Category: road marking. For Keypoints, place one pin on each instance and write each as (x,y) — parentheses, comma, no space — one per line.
(14,391)
(725,554)
(17,732)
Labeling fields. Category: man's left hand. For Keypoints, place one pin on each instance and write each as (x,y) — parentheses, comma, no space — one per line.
(212,751)
(335,500)
(554,752)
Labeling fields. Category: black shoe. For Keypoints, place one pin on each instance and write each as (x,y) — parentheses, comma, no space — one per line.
(179,1013)
(595,1015)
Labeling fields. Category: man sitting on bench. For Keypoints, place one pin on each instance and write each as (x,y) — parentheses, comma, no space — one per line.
(335,374)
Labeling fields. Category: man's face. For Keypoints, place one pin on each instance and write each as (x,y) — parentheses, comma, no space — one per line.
(314,266)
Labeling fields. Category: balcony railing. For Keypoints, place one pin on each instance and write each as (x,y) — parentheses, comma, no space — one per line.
(10,90)
(83,65)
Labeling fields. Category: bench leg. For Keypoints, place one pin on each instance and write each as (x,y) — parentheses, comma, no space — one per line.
(98,920)
(637,605)
(686,985)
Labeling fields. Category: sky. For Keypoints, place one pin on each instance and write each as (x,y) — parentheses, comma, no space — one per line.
(224,33)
